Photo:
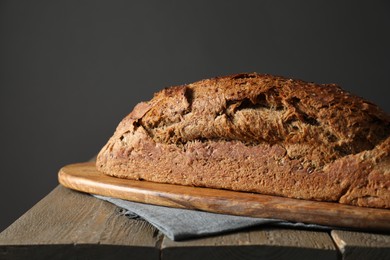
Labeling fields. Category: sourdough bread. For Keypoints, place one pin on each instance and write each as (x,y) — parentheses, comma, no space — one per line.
(257,133)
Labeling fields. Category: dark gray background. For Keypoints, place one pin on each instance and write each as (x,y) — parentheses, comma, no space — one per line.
(70,70)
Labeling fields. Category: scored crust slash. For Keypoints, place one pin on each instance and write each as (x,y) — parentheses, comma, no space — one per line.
(257,133)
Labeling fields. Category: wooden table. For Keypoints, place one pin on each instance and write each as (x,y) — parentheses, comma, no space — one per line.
(71,225)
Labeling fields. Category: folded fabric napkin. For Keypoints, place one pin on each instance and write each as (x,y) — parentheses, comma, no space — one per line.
(182,224)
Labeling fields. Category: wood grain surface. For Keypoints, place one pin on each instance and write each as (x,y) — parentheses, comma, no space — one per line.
(358,245)
(71,225)
(84,177)
(67,224)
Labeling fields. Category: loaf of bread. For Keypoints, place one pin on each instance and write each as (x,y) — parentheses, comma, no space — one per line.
(257,133)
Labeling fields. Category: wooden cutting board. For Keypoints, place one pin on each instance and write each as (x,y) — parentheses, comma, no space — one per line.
(85,178)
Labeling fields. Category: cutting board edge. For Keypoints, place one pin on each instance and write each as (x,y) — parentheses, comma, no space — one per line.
(74,176)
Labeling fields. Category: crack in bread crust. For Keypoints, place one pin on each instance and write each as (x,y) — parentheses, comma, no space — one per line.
(266,109)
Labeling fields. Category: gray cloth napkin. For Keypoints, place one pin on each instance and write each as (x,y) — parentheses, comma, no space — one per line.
(182,224)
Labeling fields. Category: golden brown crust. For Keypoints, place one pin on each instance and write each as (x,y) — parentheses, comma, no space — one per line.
(258,133)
